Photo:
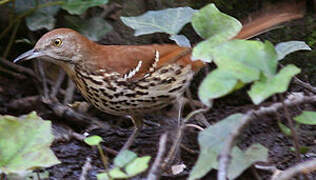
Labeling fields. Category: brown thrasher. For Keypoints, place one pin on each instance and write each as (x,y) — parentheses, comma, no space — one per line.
(124,79)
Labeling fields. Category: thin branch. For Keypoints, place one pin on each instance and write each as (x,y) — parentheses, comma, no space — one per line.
(155,168)
(43,77)
(305,85)
(224,157)
(303,167)
(69,92)
(85,168)
(12,38)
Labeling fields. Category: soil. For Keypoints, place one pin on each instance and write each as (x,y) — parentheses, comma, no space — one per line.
(264,130)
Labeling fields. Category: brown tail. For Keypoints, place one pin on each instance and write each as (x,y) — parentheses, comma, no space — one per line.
(269,17)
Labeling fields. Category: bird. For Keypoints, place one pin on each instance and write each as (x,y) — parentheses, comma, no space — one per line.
(125,80)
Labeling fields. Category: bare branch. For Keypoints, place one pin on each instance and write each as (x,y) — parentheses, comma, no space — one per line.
(224,157)
(155,168)
(303,167)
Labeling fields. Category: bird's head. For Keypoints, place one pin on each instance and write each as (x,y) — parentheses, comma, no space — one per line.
(59,46)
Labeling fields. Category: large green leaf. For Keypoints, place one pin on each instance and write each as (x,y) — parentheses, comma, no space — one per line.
(94,28)
(285,48)
(41,17)
(243,160)
(24,143)
(216,27)
(246,59)
(211,142)
(80,6)
(169,21)
(279,83)
(216,84)
(307,117)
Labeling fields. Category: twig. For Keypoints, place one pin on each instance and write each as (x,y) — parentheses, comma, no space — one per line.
(304,84)
(224,157)
(56,87)
(303,167)
(19,68)
(291,126)
(12,38)
(85,168)
(155,168)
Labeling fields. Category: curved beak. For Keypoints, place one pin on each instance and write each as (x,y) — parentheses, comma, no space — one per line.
(31,54)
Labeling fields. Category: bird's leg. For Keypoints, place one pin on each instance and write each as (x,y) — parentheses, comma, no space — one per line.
(138,124)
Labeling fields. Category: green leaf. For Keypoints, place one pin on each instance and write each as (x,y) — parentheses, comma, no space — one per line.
(285,48)
(124,158)
(169,21)
(78,7)
(307,117)
(42,17)
(137,166)
(211,142)
(243,160)
(181,40)
(284,129)
(217,84)
(266,87)
(246,59)
(214,26)
(24,143)
(93,140)
(103,176)
(116,173)
(94,28)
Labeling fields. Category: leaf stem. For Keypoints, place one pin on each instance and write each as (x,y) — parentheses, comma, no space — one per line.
(103,157)
(12,38)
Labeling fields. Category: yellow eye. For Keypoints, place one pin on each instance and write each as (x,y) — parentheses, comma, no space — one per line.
(57,42)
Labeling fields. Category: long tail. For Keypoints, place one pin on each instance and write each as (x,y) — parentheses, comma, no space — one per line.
(269,17)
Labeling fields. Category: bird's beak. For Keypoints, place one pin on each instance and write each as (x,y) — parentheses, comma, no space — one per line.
(31,54)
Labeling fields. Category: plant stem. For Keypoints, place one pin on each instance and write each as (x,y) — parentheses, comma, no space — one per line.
(291,126)
(12,38)
(103,157)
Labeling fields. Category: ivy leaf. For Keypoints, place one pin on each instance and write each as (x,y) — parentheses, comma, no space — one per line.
(246,59)
(181,40)
(94,28)
(216,27)
(216,84)
(211,142)
(93,140)
(24,143)
(124,158)
(137,166)
(243,160)
(285,48)
(169,21)
(42,17)
(77,7)
(266,87)
(307,117)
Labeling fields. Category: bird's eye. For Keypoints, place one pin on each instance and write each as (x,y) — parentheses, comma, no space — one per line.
(57,42)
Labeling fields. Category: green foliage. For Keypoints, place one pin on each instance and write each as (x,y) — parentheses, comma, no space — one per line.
(169,21)
(24,144)
(80,6)
(266,87)
(214,26)
(284,129)
(93,140)
(211,142)
(307,117)
(126,165)
(285,48)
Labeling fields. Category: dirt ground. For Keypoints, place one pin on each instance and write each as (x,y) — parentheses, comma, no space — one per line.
(264,130)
